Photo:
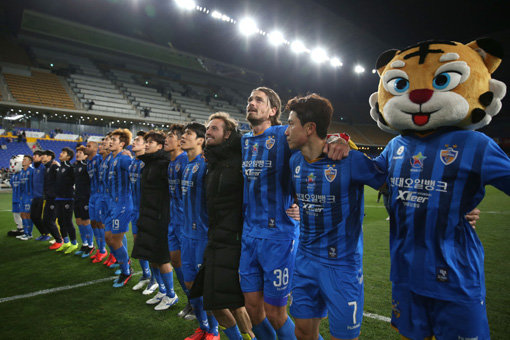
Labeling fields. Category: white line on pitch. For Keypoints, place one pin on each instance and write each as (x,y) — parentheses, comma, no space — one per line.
(377,317)
(59,289)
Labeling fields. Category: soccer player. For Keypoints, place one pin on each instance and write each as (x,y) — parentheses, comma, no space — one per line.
(64,202)
(194,231)
(36,209)
(328,277)
(135,175)
(121,208)
(93,165)
(81,201)
(50,211)
(178,161)
(26,194)
(152,240)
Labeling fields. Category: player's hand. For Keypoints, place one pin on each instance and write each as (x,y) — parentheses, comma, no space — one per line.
(126,152)
(293,212)
(337,148)
(473,216)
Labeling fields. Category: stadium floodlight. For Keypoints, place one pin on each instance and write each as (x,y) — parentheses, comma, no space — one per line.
(186,4)
(335,62)
(319,55)
(374,70)
(216,15)
(276,38)
(247,26)
(297,46)
(359,69)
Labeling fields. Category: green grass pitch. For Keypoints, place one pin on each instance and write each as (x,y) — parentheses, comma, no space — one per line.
(100,311)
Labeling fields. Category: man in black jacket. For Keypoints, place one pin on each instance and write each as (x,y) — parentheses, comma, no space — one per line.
(224,191)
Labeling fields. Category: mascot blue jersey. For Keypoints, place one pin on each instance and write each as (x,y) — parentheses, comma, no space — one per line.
(330,196)
(434,182)
(15,184)
(267,185)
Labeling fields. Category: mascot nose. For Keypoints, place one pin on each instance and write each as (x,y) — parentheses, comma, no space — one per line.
(420,96)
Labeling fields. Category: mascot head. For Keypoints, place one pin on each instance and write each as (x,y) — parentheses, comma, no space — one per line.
(437,84)
(15,163)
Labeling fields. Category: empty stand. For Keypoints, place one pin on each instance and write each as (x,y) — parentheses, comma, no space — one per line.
(11,149)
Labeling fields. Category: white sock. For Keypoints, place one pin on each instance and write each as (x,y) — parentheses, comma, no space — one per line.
(17,220)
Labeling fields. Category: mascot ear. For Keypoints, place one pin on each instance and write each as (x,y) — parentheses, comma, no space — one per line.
(490,51)
(384,59)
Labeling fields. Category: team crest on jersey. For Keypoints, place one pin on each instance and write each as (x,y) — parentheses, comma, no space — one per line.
(246,142)
(448,155)
(255,148)
(298,168)
(177,167)
(142,165)
(417,161)
(332,253)
(330,174)
(270,142)
(195,167)
(115,162)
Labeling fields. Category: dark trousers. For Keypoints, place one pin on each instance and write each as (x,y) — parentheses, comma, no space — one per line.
(36,210)
(65,218)
(49,216)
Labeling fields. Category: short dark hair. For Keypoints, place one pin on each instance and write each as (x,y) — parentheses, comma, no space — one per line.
(69,152)
(198,128)
(38,152)
(30,157)
(49,153)
(157,136)
(141,133)
(274,101)
(177,129)
(312,108)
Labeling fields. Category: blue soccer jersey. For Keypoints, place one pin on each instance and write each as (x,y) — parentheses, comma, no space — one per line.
(267,185)
(193,196)
(118,178)
(330,198)
(104,168)
(93,168)
(27,183)
(15,184)
(175,171)
(434,181)
(135,175)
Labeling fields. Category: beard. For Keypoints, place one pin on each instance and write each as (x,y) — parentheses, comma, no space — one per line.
(254,121)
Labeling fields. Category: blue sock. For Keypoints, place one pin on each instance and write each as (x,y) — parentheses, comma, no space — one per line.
(122,258)
(82,235)
(213,324)
(320,337)
(180,278)
(97,236)
(153,276)
(66,239)
(198,308)
(233,333)
(30,226)
(145,268)
(74,242)
(89,235)
(264,330)
(287,330)
(102,246)
(159,280)
(124,243)
(25,226)
(168,280)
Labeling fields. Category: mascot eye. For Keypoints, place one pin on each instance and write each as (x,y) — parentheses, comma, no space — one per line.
(446,81)
(398,85)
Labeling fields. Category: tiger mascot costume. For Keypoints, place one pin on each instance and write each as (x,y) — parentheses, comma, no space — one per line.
(435,94)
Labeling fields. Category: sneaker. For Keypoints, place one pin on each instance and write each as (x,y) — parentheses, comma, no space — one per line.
(52,241)
(86,252)
(20,236)
(15,232)
(71,248)
(156,299)
(99,257)
(82,249)
(110,260)
(26,237)
(40,238)
(118,271)
(94,253)
(210,336)
(185,311)
(200,334)
(167,302)
(190,316)
(143,281)
(56,245)
(387,218)
(114,265)
(46,238)
(64,246)
(123,279)
(151,288)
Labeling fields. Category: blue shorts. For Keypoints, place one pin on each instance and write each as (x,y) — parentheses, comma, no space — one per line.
(106,218)
(320,289)
(135,214)
(16,207)
(121,214)
(192,256)
(94,205)
(267,265)
(174,241)
(417,316)
(25,205)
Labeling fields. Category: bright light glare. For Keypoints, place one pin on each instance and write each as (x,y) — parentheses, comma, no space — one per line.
(186,4)
(297,46)
(374,70)
(247,26)
(216,15)
(276,38)
(359,69)
(335,62)
(319,55)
